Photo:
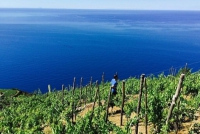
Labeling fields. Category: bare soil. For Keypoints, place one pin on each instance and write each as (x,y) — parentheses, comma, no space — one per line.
(115,118)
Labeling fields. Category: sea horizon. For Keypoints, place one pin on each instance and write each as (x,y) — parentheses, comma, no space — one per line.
(98,9)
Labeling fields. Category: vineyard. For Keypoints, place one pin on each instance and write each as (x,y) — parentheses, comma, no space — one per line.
(161,104)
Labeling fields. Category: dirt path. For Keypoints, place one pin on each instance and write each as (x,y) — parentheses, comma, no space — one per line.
(115,118)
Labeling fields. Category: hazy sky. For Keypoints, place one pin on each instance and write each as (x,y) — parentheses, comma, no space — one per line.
(104,4)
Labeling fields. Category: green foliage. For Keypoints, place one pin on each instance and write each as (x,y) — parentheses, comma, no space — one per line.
(187,71)
(192,84)
(30,114)
(195,129)
(9,92)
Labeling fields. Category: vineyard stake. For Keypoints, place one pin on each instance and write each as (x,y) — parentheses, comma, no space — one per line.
(107,109)
(98,94)
(95,97)
(63,94)
(175,97)
(103,79)
(91,86)
(146,119)
(72,99)
(81,88)
(123,97)
(49,88)
(139,102)
(185,68)
(74,82)
(86,94)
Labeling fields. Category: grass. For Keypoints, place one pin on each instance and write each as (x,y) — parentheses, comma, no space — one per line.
(9,92)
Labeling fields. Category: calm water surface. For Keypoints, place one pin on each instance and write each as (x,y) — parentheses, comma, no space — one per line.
(48,46)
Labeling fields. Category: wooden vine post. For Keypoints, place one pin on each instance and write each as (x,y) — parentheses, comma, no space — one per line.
(103,79)
(139,102)
(49,88)
(175,97)
(86,94)
(63,87)
(99,101)
(123,97)
(81,88)
(107,109)
(74,82)
(146,119)
(185,71)
(95,98)
(91,86)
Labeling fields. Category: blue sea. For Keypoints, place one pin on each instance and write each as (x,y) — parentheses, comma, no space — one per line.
(52,46)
